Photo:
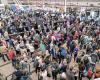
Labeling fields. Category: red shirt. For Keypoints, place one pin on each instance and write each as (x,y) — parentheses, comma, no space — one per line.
(98,32)
(75,36)
(11,54)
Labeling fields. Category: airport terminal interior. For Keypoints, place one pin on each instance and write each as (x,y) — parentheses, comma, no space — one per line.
(49,39)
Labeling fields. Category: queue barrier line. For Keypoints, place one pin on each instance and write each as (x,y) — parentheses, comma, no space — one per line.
(29,71)
(5,64)
(35,29)
(18,33)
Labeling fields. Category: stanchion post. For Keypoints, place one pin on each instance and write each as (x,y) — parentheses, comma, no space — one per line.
(65,6)
(29,68)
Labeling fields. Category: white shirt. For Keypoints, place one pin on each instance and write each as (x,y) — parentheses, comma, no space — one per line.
(63,75)
(31,48)
(44,75)
(53,38)
(18,47)
(51,46)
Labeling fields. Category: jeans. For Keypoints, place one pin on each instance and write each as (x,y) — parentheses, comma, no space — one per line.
(93,66)
(24,78)
(80,75)
(54,74)
(37,69)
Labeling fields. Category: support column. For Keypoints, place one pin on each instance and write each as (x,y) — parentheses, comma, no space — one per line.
(65,3)
(43,4)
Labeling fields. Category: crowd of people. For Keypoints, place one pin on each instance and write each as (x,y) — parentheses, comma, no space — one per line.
(59,47)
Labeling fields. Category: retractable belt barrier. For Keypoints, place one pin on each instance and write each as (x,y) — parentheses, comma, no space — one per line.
(29,72)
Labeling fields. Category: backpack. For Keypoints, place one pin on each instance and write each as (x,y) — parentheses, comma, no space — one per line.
(63,52)
(36,63)
(90,73)
(55,68)
(43,67)
(86,60)
(72,45)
